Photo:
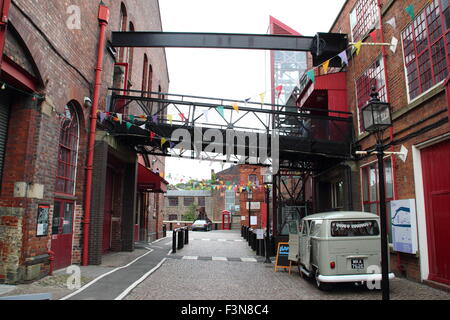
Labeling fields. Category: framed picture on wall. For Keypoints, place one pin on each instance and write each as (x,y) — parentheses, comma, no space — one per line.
(42,220)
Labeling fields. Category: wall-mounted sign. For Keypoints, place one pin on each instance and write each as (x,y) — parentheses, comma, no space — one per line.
(42,220)
(253,205)
(404,227)
(253,220)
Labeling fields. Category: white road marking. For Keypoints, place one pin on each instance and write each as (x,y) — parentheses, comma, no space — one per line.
(104,275)
(137,282)
(248,259)
(190,257)
(219,259)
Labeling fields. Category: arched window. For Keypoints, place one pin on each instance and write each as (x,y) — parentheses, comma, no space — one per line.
(150,79)
(122,27)
(68,151)
(130,55)
(144,75)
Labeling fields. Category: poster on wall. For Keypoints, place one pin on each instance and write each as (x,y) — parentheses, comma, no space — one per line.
(42,220)
(404,227)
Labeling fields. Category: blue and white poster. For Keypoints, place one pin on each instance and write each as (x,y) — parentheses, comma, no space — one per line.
(404,226)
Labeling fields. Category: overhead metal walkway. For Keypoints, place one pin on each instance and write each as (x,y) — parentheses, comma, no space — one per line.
(226,130)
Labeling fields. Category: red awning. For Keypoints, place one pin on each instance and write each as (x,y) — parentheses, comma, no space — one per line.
(150,181)
(328,91)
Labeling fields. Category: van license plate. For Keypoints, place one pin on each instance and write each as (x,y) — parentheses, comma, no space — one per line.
(357,263)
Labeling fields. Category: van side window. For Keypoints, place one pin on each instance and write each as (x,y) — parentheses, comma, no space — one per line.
(303,228)
(354,228)
(315,228)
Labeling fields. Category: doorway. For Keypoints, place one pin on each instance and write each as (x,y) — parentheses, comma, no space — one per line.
(62,232)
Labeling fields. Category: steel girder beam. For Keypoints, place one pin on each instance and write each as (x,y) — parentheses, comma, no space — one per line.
(212,40)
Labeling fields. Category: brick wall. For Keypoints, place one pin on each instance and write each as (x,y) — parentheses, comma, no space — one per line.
(408,117)
(63,60)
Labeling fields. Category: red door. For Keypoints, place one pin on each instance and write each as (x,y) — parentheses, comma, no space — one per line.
(436,179)
(108,210)
(62,233)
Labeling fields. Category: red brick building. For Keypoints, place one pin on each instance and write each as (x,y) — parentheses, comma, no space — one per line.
(244,187)
(412,75)
(48,70)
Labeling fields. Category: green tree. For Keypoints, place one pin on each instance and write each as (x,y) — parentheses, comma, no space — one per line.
(191,213)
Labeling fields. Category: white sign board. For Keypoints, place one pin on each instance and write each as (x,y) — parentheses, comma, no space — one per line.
(242,218)
(253,220)
(254,205)
(404,226)
(259,233)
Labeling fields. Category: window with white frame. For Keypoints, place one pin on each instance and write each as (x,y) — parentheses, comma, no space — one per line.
(363,18)
(370,195)
(424,49)
(372,76)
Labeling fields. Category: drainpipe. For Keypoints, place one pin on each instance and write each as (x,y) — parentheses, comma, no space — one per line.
(4,7)
(103,18)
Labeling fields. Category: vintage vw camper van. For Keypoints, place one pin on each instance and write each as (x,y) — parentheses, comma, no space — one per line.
(341,246)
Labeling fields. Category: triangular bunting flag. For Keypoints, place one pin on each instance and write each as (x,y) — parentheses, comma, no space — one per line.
(205,114)
(182,116)
(155,118)
(343,56)
(131,117)
(235,107)
(171,144)
(392,22)
(310,74)
(163,141)
(220,110)
(373,35)
(102,116)
(358,46)
(410,11)
(279,89)
(129,125)
(152,135)
(247,100)
(325,65)
(119,116)
(262,97)
(394,42)
(143,126)
(170,118)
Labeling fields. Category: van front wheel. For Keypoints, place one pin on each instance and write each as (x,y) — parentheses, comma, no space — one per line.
(321,285)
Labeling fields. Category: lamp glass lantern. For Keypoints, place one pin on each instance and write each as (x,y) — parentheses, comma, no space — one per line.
(376,114)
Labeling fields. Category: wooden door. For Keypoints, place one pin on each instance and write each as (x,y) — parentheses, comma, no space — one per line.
(436,181)
(62,233)
(108,210)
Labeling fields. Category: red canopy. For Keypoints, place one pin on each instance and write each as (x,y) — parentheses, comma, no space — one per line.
(150,181)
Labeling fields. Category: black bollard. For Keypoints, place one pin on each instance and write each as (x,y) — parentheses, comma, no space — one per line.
(186,235)
(164,231)
(174,241)
(180,239)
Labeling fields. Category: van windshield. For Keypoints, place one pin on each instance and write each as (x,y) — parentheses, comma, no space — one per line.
(354,228)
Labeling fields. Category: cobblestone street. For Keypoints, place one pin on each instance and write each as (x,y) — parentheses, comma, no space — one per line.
(219,265)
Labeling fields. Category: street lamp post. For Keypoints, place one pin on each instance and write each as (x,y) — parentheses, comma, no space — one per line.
(376,118)
(249,198)
(267,182)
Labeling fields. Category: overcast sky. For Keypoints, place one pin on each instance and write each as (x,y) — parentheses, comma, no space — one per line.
(227,73)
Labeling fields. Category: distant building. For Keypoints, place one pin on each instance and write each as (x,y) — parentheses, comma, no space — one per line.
(177,203)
